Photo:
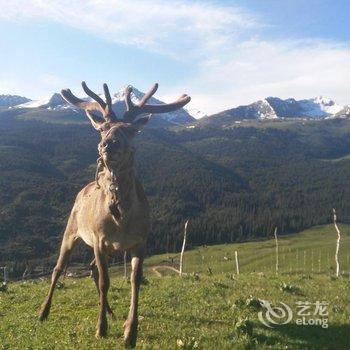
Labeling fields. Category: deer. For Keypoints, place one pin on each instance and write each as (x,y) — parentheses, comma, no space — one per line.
(111,213)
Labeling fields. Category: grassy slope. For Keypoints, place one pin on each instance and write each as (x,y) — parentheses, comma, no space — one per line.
(311,251)
(204,306)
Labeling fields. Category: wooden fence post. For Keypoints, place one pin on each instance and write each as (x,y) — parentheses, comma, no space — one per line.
(25,273)
(237,264)
(276,240)
(319,261)
(297,259)
(5,274)
(183,248)
(125,272)
(337,244)
(290,261)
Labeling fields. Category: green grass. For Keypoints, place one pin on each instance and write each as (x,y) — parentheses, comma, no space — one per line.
(214,310)
(311,251)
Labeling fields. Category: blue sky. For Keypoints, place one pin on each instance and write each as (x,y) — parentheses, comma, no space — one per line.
(222,53)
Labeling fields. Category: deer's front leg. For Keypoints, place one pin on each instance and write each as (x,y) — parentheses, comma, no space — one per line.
(130,331)
(95,275)
(103,285)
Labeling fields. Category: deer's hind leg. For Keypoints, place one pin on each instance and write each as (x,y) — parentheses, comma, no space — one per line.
(95,275)
(68,242)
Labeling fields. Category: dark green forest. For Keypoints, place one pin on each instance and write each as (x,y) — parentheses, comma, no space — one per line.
(235,183)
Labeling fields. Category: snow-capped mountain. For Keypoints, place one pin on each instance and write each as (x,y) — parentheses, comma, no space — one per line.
(273,108)
(257,110)
(195,113)
(181,116)
(56,102)
(12,100)
(276,108)
(318,107)
(344,112)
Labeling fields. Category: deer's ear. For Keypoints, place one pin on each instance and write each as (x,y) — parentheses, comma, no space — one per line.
(141,122)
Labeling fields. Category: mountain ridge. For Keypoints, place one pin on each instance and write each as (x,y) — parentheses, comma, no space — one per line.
(12,100)
(276,108)
(272,108)
(57,103)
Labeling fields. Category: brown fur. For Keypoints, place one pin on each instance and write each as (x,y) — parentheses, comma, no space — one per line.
(111,213)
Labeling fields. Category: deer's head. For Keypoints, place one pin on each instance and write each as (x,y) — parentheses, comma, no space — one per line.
(117,133)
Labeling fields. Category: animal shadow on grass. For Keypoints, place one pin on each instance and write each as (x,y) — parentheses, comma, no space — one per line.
(310,337)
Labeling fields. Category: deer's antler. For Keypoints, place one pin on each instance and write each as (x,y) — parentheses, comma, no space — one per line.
(132,110)
(105,108)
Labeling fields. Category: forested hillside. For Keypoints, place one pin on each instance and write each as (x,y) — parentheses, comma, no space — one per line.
(235,183)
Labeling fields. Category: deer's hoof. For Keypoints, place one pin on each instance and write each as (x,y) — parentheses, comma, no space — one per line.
(130,334)
(44,313)
(42,317)
(129,343)
(100,334)
(101,331)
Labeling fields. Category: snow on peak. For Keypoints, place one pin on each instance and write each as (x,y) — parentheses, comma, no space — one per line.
(269,108)
(323,100)
(179,116)
(275,108)
(195,113)
(319,106)
(327,105)
(265,111)
(136,95)
(55,101)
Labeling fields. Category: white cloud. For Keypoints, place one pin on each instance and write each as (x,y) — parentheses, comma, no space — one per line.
(258,69)
(168,27)
(50,80)
(232,64)
(15,85)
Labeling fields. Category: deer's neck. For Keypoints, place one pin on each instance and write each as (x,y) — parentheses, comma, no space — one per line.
(121,190)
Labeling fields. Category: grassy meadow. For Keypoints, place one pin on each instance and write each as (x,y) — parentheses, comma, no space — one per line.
(211,307)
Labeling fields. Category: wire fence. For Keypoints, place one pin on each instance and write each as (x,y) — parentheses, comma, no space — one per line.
(313,253)
(316,258)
